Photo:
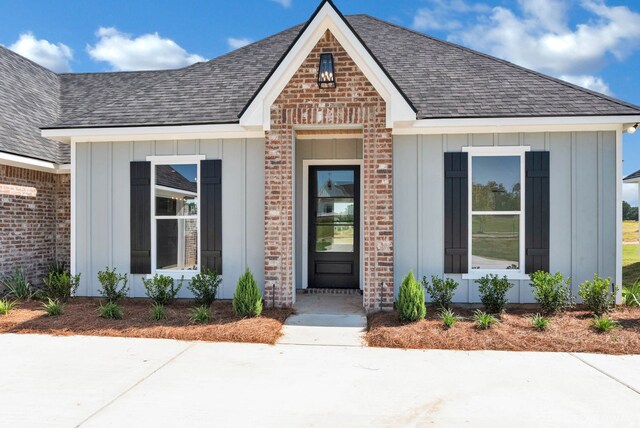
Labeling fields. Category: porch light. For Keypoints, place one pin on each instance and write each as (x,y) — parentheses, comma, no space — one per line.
(326,76)
(632,129)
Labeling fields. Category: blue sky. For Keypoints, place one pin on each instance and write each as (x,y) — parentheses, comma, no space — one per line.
(595,43)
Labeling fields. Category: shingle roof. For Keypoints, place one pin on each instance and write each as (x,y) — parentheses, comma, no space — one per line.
(634,176)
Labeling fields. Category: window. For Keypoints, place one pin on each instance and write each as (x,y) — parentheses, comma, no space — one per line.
(496,242)
(176,221)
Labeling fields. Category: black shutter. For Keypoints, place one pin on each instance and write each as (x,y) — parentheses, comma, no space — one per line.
(456,213)
(211,214)
(537,212)
(140,212)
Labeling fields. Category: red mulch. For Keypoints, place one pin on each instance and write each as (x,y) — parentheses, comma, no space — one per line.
(81,318)
(568,332)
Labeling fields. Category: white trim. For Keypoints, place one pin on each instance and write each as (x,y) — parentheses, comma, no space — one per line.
(35,164)
(175,159)
(305,212)
(632,180)
(619,214)
(258,113)
(496,150)
(73,207)
(512,275)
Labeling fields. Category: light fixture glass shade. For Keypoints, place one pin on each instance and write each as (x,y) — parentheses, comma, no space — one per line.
(632,129)
(326,75)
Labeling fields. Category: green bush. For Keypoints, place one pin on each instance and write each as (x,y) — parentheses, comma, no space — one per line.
(540,322)
(599,296)
(440,290)
(493,292)
(484,320)
(200,315)
(158,312)
(410,305)
(111,287)
(631,294)
(53,307)
(247,300)
(552,292)
(57,266)
(110,310)
(60,285)
(161,289)
(603,324)
(448,318)
(7,306)
(204,287)
(17,285)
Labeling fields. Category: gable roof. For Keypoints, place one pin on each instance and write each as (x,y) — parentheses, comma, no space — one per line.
(633,178)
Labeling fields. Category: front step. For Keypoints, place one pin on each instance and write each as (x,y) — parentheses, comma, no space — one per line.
(341,291)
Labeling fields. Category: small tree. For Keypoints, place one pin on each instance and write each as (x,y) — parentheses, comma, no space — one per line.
(161,289)
(204,287)
(247,299)
(410,304)
(440,290)
(552,292)
(599,296)
(110,282)
(493,292)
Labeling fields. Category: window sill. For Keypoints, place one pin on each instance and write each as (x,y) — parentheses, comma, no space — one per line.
(514,276)
(176,275)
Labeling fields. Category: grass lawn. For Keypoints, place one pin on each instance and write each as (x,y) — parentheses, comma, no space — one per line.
(630,264)
(629,231)
(80,317)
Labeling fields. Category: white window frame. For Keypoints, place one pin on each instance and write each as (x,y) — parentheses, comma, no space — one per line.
(494,151)
(173,160)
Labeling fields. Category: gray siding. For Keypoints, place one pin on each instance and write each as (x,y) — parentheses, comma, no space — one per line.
(102,206)
(583,210)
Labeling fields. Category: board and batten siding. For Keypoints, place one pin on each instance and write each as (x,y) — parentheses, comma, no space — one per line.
(583,204)
(102,207)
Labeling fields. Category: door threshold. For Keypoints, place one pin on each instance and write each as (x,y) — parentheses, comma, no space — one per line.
(348,291)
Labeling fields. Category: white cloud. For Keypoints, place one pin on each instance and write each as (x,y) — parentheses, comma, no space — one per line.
(630,194)
(444,15)
(54,56)
(283,3)
(590,82)
(238,43)
(145,52)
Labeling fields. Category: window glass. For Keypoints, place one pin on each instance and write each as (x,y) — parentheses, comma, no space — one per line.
(496,183)
(334,238)
(335,184)
(332,210)
(495,242)
(177,244)
(176,190)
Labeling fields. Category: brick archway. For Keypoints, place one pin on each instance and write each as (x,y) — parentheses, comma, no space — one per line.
(353,102)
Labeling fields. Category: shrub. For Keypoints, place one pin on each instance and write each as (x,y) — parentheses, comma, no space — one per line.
(448,318)
(158,312)
(60,285)
(110,285)
(161,289)
(539,322)
(440,290)
(17,285)
(200,315)
(204,287)
(493,291)
(7,306)
(603,323)
(631,294)
(552,292)
(484,320)
(410,305)
(53,307)
(247,300)
(57,266)
(111,311)
(599,296)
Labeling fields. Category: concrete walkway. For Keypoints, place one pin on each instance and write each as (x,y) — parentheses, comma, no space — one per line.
(326,319)
(115,382)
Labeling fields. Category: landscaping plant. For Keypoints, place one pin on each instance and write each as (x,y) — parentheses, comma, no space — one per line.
(110,310)
(60,285)
(603,323)
(440,290)
(17,285)
(552,292)
(57,266)
(410,305)
(540,322)
(448,318)
(52,307)
(631,295)
(161,289)
(7,306)
(493,292)
(204,287)
(200,315)
(484,320)
(599,296)
(113,285)
(247,300)
(158,312)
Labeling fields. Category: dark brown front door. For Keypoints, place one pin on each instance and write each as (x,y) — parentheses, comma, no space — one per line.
(334,226)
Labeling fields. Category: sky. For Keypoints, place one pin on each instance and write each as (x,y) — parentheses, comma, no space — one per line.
(593,43)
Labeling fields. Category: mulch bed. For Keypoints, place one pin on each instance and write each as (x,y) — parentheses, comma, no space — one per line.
(81,318)
(567,332)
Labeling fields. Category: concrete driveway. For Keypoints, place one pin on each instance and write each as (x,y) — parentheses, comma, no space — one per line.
(116,382)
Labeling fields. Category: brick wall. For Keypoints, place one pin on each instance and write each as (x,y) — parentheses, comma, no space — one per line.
(353,102)
(35,220)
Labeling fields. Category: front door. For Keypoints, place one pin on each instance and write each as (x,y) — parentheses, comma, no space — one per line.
(334,227)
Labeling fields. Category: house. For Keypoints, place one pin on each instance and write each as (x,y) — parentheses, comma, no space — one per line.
(634,178)
(336,154)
